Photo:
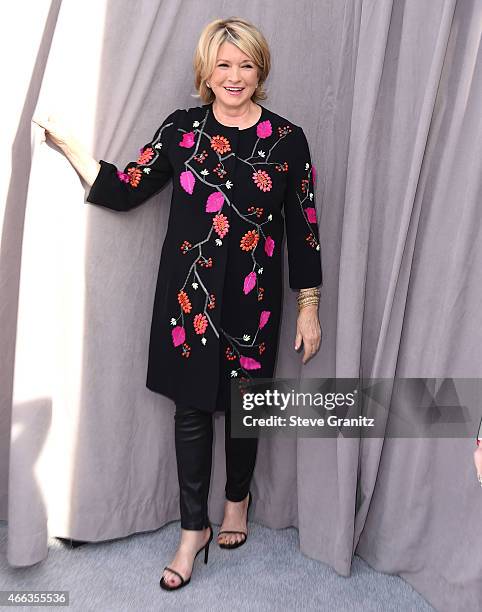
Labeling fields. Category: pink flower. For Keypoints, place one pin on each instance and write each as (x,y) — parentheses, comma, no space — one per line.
(269,246)
(215,202)
(123,176)
(178,335)
(264,129)
(187,140)
(249,282)
(263,319)
(248,363)
(311,214)
(187,181)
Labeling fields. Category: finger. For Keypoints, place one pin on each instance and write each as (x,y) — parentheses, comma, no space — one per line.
(298,340)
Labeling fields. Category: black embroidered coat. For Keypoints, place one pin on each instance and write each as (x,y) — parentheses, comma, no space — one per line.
(216,314)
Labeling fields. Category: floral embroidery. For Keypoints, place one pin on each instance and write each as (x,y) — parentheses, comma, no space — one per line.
(220,144)
(187,180)
(184,301)
(255,211)
(145,155)
(221,225)
(123,176)
(134,176)
(185,246)
(311,214)
(249,240)
(215,203)
(263,319)
(249,282)
(264,129)
(269,246)
(262,180)
(187,140)
(212,301)
(220,171)
(200,157)
(248,363)
(178,335)
(200,323)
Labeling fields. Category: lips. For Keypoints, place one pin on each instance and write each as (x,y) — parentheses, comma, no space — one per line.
(234,89)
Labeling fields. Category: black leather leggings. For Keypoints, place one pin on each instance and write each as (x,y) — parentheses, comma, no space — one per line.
(194,439)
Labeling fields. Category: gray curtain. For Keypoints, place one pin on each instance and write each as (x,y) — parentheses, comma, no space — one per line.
(389,94)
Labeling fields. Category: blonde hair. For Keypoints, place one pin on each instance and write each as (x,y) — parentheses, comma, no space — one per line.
(246,37)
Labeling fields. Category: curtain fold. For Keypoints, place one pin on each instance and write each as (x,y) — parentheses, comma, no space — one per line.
(389,96)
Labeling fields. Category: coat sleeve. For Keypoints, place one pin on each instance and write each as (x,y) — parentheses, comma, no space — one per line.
(140,179)
(302,234)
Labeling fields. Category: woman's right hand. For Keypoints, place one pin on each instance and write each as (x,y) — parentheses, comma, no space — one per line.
(58,132)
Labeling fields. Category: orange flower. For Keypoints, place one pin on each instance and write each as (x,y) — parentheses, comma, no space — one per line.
(221,225)
(184,301)
(249,240)
(262,180)
(134,176)
(200,323)
(212,301)
(220,144)
(145,156)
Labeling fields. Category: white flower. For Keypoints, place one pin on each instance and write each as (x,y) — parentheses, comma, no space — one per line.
(147,170)
(246,337)
(194,285)
(205,172)
(261,153)
(218,242)
(173,321)
(195,124)
(260,271)
(307,166)
(270,217)
(158,145)
(317,247)
(233,373)
(229,184)
(311,196)
(203,340)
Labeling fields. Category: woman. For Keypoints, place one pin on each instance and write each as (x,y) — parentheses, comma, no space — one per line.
(235,167)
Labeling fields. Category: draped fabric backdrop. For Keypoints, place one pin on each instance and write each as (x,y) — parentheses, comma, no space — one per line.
(87,452)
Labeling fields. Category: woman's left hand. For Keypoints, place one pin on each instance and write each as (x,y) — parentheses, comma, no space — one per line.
(308,330)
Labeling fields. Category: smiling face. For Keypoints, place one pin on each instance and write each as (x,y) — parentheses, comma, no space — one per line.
(235,76)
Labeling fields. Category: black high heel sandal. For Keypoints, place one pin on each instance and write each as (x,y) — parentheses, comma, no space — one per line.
(163,584)
(241,542)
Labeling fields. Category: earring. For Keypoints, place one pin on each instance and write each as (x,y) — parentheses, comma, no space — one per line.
(208,84)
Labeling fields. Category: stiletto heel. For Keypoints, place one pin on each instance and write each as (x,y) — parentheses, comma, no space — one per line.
(238,544)
(163,584)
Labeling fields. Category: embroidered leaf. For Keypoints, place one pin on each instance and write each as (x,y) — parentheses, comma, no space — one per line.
(187,140)
(264,129)
(249,282)
(215,202)
(263,319)
(311,214)
(187,179)
(178,335)
(269,246)
(123,176)
(248,363)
